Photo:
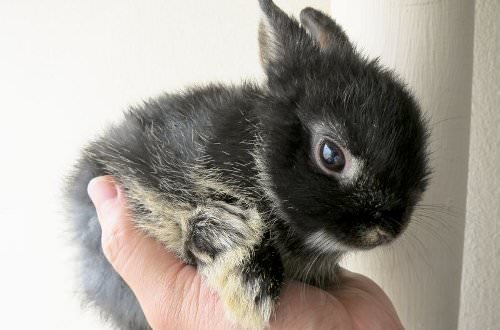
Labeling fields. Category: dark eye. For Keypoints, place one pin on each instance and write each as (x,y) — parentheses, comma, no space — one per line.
(332,156)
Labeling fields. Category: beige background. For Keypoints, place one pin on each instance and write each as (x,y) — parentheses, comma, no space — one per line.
(69,67)
(480,298)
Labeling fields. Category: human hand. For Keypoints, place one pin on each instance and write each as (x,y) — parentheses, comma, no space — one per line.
(173,295)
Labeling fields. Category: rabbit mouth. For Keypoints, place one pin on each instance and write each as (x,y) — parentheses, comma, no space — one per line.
(370,238)
(375,237)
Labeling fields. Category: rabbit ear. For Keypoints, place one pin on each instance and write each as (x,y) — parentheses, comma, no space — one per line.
(328,34)
(281,38)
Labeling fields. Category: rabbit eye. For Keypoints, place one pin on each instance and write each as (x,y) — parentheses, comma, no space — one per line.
(331,156)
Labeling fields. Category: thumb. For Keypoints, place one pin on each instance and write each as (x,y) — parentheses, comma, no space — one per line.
(170,293)
(120,240)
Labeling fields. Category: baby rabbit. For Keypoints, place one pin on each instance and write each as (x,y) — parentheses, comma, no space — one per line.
(255,184)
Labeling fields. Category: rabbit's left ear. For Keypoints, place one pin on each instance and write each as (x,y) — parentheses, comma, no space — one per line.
(327,33)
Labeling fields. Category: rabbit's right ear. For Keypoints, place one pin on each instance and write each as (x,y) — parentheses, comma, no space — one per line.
(281,40)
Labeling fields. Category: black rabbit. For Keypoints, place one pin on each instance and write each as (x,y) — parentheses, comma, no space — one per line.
(258,184)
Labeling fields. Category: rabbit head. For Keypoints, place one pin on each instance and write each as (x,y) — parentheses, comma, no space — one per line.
(344,154)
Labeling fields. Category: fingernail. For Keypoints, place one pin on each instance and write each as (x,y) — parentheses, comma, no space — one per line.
(101,189)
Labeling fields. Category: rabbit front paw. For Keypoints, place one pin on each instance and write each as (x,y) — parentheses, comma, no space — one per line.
(231,248)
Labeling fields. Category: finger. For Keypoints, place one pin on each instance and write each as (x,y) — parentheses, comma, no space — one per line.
(359,281)
(365,301)
(302,306)
(119,237)
(347,278)
(168,291)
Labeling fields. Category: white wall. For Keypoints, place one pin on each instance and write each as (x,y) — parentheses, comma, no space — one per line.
(66,69)
(430,44)
(480,299)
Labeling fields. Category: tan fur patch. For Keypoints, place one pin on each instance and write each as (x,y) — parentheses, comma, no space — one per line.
(167,222)
(224,275)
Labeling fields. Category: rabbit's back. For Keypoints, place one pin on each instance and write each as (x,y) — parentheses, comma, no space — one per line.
(169,145)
